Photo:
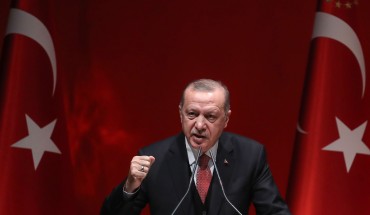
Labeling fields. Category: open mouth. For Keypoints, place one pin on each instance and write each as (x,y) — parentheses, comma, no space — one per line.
(198,138)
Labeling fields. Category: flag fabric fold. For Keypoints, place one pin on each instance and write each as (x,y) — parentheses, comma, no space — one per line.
(34,154)
(329,168)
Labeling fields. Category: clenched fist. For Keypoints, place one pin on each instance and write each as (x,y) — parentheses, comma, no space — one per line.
(139,168)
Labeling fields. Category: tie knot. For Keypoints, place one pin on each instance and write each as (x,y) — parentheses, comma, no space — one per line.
(203,161)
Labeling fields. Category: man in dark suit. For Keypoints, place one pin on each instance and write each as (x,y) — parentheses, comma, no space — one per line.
(160,174)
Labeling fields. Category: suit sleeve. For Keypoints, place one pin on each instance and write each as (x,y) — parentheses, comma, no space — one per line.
(119,204)
(266,197)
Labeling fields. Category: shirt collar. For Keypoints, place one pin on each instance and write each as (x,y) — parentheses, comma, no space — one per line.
(192,152)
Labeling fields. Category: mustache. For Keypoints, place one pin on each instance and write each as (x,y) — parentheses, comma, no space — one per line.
(199,134)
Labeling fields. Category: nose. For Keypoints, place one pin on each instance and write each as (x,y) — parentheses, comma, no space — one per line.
(200,123)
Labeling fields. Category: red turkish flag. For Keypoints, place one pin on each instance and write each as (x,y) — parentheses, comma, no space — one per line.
(330,172)
(35,174)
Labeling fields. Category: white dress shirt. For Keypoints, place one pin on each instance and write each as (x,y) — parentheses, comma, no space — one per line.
(192,153)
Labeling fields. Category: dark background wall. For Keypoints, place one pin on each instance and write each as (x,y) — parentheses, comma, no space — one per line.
(125,63)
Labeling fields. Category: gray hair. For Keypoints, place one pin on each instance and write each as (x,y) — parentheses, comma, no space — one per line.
(208,85)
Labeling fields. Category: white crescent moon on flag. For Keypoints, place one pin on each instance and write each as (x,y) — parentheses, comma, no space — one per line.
(300,130)
(327,25)
(21,22)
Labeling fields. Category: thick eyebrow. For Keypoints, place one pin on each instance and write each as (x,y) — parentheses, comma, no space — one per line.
(209,110)
(191,109)
(213,110)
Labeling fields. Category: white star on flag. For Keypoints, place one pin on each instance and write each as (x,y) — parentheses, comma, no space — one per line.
(38,140)
(349,142)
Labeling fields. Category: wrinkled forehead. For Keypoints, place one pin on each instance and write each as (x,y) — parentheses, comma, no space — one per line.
(205,109)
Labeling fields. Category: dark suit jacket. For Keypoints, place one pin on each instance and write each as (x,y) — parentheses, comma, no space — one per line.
(246,178)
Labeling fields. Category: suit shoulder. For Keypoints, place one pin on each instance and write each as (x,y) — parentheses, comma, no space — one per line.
(243,141)
(160,146)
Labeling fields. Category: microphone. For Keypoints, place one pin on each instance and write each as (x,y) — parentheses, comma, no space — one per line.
(222,187)
(191,180)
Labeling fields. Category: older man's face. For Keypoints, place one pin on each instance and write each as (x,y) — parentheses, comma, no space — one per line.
(203,117)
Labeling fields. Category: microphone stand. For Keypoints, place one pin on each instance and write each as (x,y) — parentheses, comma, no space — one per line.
(222,187)
(191,180)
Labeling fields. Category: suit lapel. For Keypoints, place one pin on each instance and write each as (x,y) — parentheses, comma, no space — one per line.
(178,165)
(225,164)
